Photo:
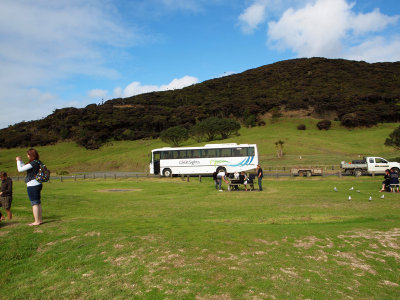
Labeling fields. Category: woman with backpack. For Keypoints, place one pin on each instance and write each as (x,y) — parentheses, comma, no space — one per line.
(34,187)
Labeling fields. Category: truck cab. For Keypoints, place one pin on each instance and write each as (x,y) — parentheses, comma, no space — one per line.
(378,164)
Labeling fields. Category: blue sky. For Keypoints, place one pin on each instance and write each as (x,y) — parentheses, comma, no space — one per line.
(55,54)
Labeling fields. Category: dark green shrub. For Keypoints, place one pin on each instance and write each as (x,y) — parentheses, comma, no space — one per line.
(210,128)
(174,135)
(324,124)
(394,139)
(301,127)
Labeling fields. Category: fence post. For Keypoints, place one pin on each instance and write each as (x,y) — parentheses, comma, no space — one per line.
(183,177)
(84,176)
(61,179)
(74,177)
(340,174)
(105,176)
(188,178)
(199,178)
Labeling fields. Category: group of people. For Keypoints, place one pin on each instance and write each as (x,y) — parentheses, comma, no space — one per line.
(391,181)
(221,176)
(34,187)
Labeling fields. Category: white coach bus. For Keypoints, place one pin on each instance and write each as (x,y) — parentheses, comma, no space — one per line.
(203,160)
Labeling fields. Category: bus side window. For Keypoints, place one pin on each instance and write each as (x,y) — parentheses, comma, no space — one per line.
(250,151)
(226,152)
(212,153)
(182,154)
(194,154)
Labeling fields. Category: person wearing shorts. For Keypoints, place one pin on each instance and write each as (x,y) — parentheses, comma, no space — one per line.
(34,187)
(6,194)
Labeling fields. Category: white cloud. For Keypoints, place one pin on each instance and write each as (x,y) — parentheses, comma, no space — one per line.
(45,41)
(136,88)
(252,17)
(330,28)
(313,30)
(98,93)
(376,49)
(374,21)
(179,83)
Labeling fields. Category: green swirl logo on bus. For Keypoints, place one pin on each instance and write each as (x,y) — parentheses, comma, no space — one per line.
(216,162)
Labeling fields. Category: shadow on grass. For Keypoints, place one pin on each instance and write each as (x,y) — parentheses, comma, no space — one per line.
(48,220)
(51,219)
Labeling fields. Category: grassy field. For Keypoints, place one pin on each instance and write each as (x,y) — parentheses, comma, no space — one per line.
(314,146)
(172,239)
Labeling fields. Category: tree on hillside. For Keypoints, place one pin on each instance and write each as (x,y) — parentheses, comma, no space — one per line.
(394,139)
(197,132)
(211,127)
(227,127)
(174,135)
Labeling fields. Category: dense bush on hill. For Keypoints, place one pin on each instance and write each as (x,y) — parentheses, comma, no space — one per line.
(174,135)
(324,124)
(356,93)
(394,139)
(301,127)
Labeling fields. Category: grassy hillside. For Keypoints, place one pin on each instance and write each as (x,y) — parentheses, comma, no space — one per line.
(314,146)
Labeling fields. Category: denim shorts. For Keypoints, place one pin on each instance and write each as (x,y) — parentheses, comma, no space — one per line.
(34,194)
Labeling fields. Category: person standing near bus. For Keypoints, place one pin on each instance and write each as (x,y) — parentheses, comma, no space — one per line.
(216,180)
(222,176)
(6,194)
(34,187)
(260,176)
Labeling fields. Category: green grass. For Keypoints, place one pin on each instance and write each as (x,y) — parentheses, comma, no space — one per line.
(173,239)
(314,146)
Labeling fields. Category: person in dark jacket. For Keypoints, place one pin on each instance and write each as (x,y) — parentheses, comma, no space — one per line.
(260,175)
(216,180)
(6,194)
(34,187)
(386,181)
(394,180)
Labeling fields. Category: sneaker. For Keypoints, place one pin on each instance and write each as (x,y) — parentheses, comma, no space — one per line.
(220,190)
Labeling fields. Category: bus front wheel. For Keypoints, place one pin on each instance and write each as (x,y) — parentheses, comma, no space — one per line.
(167,172)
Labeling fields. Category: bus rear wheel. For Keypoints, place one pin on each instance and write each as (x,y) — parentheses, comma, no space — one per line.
(167,173)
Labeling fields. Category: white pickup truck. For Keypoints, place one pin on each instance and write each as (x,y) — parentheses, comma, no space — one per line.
(369,165)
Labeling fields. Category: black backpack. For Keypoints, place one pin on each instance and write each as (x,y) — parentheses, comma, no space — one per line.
(43,175)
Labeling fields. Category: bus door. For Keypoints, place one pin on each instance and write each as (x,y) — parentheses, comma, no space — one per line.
(156,162)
